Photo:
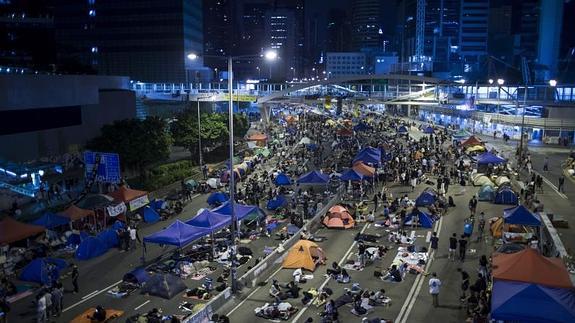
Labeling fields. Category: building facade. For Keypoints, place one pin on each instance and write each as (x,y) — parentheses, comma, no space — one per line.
(345,64)
(473,30)
(366,24)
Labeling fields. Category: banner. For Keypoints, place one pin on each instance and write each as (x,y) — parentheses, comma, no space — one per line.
(115,210)
(241,98)
(139,202)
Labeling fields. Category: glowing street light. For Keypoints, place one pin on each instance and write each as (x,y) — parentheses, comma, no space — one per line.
(271,55)
(193,56)
(490,81)
(500,81)
(553,83)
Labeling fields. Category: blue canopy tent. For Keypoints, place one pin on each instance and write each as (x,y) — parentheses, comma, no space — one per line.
(351,175)
(368,155)
(150,216)
(486,193)
(505,195)
(91,247)
(427,197)
(489,158)
(282,179)
(424,219)
(428,130)
(276,203)
(402,129)
(313,178)
(241,210)
(526,302)
(522,216)
(209,220)
(177,234)
(50,220)
(217,198)
(43,270)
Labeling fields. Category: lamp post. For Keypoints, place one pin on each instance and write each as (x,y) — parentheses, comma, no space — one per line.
(199,133)
(270,56)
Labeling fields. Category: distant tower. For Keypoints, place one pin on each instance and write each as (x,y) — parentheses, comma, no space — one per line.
(420,30)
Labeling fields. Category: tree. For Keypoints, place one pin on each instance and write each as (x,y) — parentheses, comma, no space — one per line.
(140,143)
(241,125)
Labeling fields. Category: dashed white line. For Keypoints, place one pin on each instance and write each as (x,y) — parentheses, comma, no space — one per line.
(91,295)
(140,306)
(252,293)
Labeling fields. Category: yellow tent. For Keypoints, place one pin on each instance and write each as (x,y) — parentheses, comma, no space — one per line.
(497,226)
(476,148)
(302,255)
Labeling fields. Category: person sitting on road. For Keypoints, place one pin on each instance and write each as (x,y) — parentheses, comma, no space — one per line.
(393,275)
(343,277)
(293,290)
(275,290)
(297,275)
(378,298)
(334,271)
(99,314)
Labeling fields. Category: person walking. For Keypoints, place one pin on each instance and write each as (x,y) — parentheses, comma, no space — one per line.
(462,247)
(473,205)
(133,236)
(561,184)
(452,247)
(41,308)
(546,164)
(75,276)
(434,286)
(57,299)
(434,240)
(464,283)
(480,226)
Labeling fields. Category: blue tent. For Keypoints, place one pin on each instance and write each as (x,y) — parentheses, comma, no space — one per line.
(109,238)
(521,215)
(151,216)
(177,234)
(282,179)
(361,127)
(90,247)
(241,211)
(402,129)
(505,195)
(424,219)
(486,193)
(217,198)
(427,197)
(137,276)
(351,175)
(50,220)
(428,130)
(276,203)
(313,177)
(526,302)
(164,285)
(43,270)
(210,220)
(368,155)
(489,158)
(157,204)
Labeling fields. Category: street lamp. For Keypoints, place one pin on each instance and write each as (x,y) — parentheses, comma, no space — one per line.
(500,81)
(490,81)
(552,83)
(269,55)
(293,70)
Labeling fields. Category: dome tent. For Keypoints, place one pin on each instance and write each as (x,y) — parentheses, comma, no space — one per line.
(338,217)
(427,197)
(486,193)
(424,219)
(301,256)
(505,195)
(482,180)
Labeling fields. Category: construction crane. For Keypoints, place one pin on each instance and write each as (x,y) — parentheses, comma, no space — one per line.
(420,30)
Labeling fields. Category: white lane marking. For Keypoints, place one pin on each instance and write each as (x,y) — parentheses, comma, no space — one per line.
(252,293)
(193,197)
(91,296)
(137,308)
(555,188)
(343,259)
(92,293)
(414,291)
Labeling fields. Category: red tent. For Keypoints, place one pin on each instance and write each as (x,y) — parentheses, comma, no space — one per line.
(12,230)
(124,194)
(530,266)
(338,217)
(471,141)
(363,169)
(258,137)
(75,213)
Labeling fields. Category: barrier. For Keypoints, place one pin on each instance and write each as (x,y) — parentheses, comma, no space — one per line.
(205,314)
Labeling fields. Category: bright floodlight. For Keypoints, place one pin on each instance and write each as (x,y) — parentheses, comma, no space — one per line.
(500,81)
(553,83)
(192,56)
(490,81)
(271,55)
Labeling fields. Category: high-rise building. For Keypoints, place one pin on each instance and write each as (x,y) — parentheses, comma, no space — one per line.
(26,36)
(338,31)
(219,31)
(550,25)
(474,29)
(366,22)
(281,37)
(147,40)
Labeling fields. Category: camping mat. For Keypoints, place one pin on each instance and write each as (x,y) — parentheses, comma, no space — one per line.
(412,258)
(83,318)
(201,273)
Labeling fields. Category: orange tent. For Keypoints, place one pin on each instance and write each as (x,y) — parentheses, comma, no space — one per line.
(471,141)
(530,266)
(497,225)
(338,218)
(125,194)
(258,137)
(75,213)
(12,230)
(302,255)
(363,169)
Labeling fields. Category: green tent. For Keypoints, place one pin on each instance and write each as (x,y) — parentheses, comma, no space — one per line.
(262,151)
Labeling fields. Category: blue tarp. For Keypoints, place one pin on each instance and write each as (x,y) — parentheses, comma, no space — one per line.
(217,198)
(177,234)
(486,193)
(150,216)
(505,195)
(157,204)
(424,219)
(525,302)
(109,238)
(521,215)
(292,229)
(489,158)
(427,197)
(43,270)
(241,210)
(313,177)
(428,130)
(138,275)
(351,175)
(210,220)
(50,220)
(90,247)
(282,179)
(402,129)
(164,285)
(276,203)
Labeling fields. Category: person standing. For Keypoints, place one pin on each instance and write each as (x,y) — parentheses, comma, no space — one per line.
(41,308)
(57,299)
(464,283)
(473,205)
(452,247)
(434,241)
(561,184)
(75,276)
(462,247)
(434,286)
(546,164)
(133,236)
